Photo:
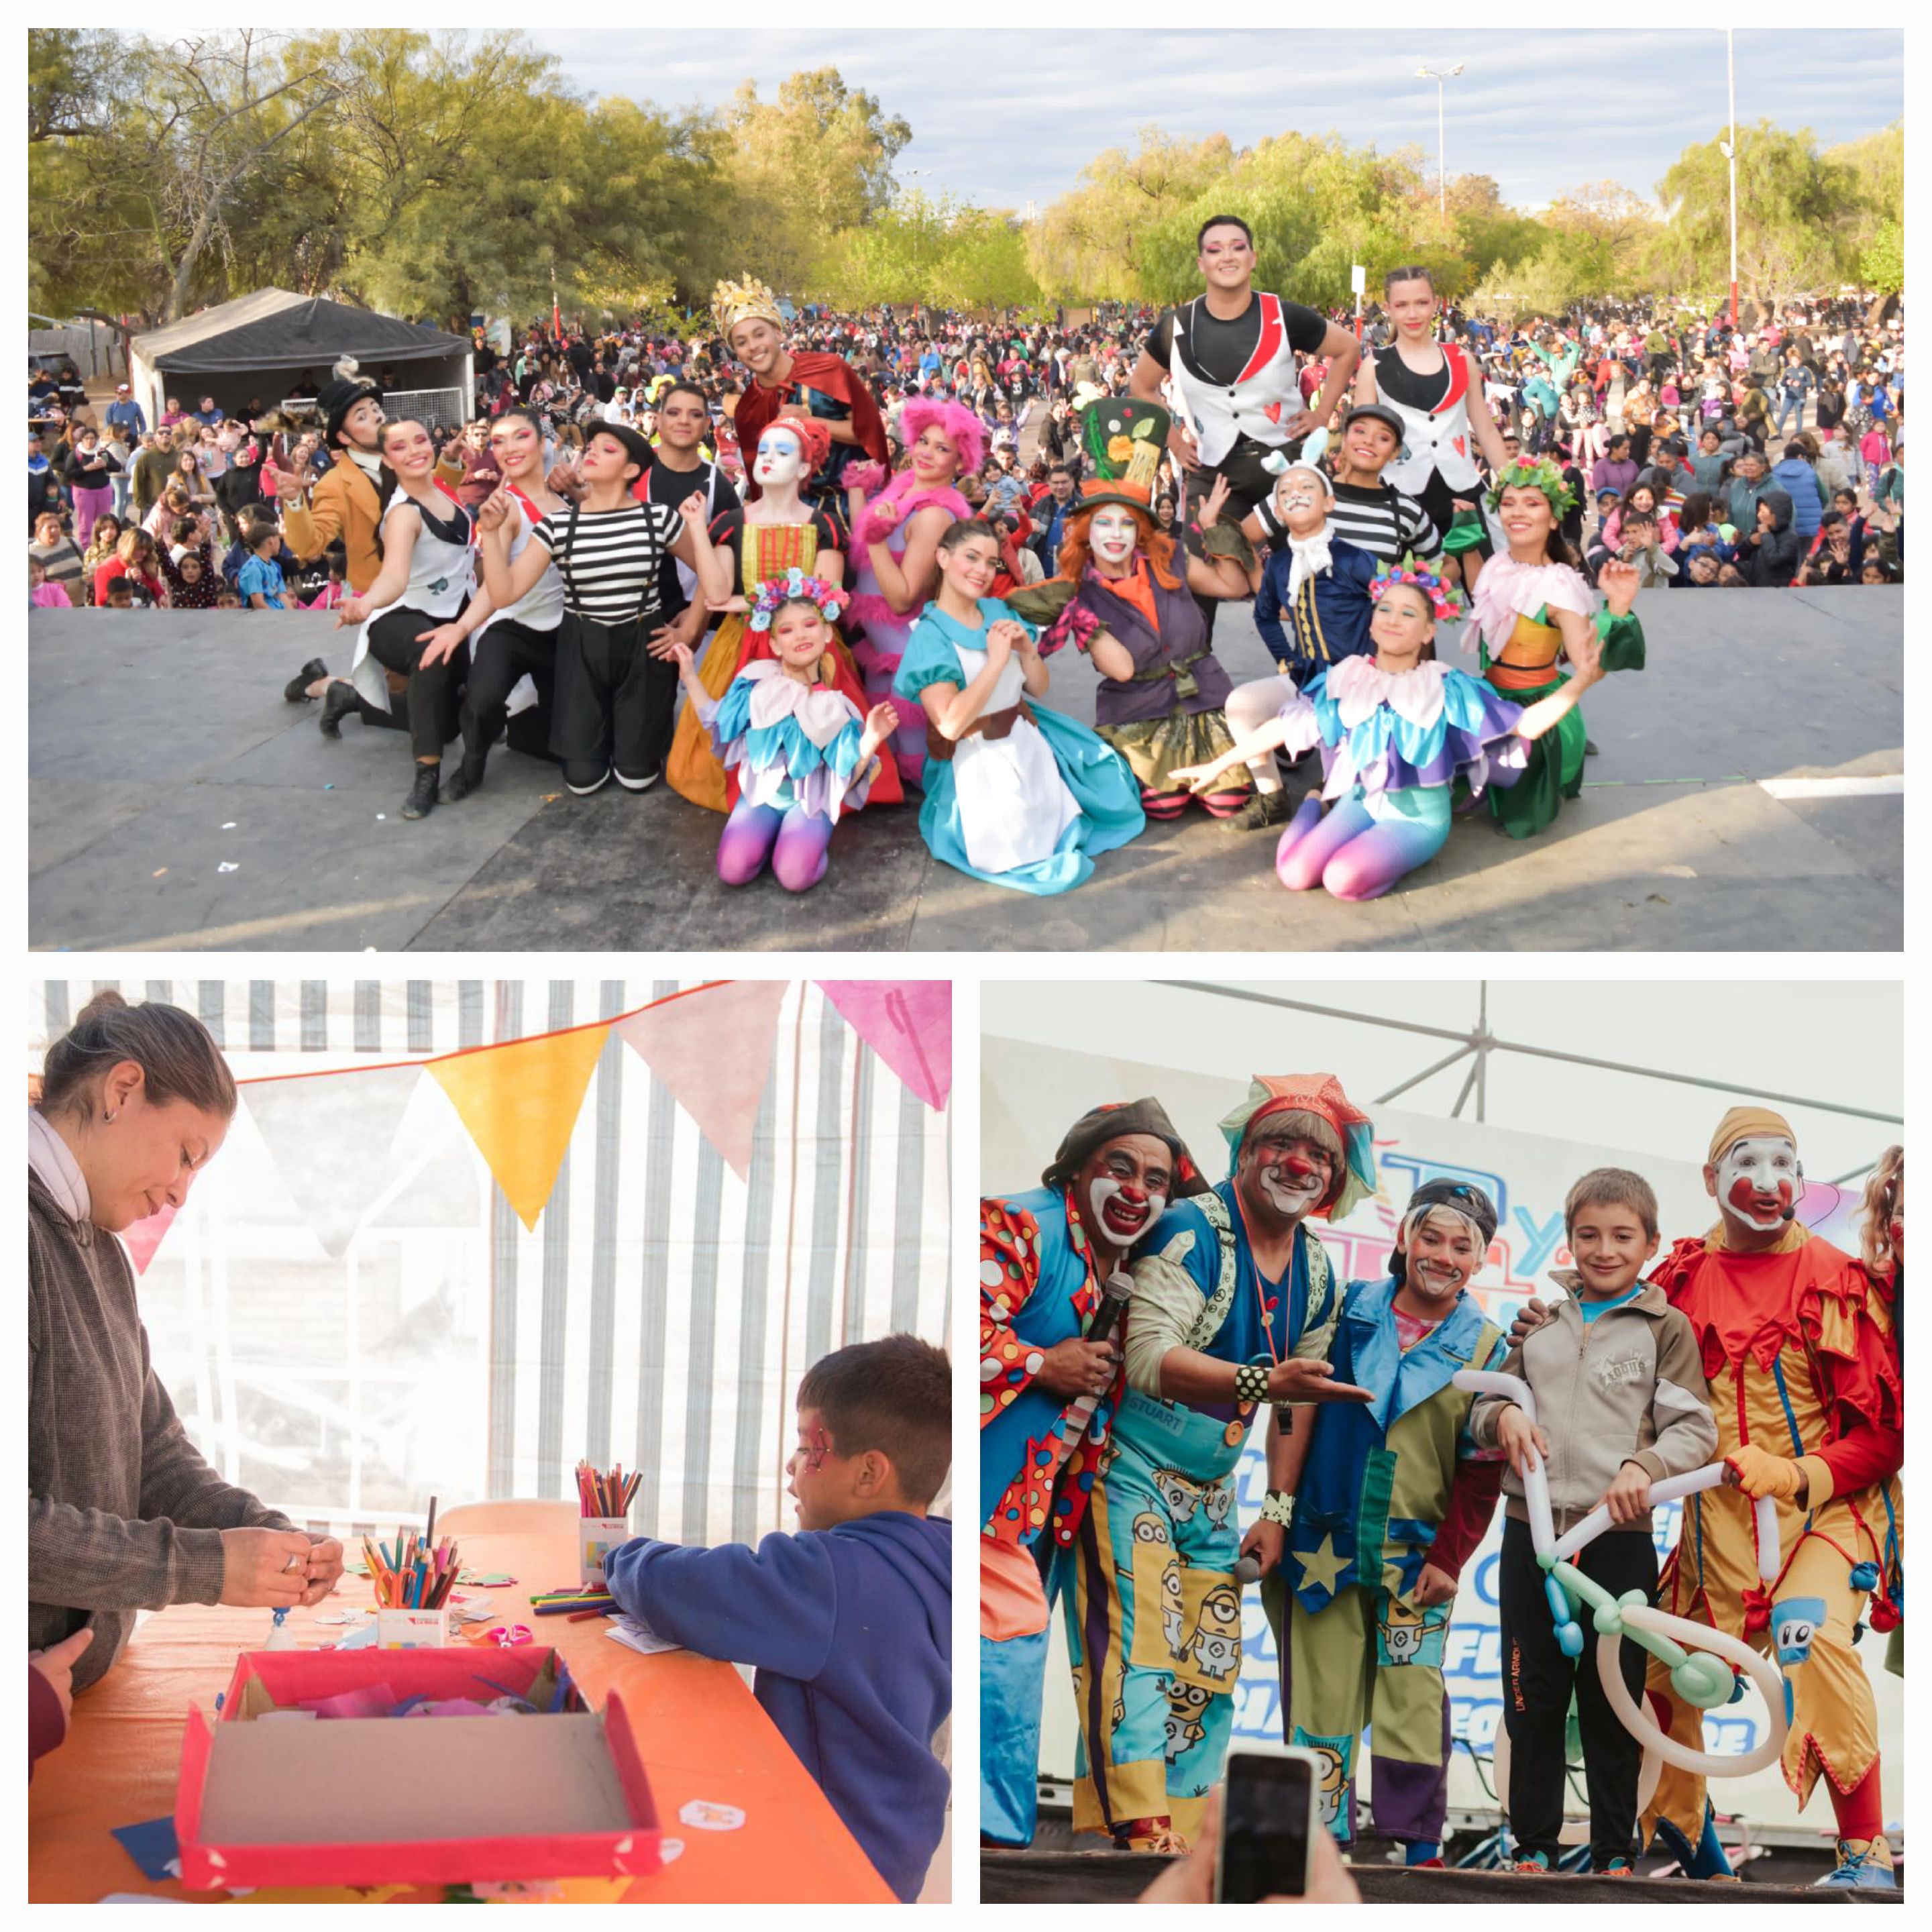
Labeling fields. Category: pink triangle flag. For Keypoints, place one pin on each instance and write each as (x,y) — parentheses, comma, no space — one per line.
(144,1236)
(908,1023)
(713,1048)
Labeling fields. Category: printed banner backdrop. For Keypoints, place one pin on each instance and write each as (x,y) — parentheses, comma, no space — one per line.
(1030,1094)
(353,1315)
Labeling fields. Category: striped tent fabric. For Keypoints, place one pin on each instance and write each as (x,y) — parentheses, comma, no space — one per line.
(660,1316)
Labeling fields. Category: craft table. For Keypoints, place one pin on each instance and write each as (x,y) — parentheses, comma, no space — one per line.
(702,1737)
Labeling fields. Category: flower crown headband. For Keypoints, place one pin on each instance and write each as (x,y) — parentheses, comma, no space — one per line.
(1443,601)
(1541,475)
(794,587)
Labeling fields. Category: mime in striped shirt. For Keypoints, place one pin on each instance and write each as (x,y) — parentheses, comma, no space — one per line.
(609,549)
(1373,515)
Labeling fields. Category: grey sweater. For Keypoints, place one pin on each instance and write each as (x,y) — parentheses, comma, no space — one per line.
(122,1513)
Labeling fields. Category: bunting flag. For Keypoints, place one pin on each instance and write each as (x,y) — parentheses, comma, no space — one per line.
(520,1101)
(713,1048)
(332,1177)
(908,1023)
(144,1236)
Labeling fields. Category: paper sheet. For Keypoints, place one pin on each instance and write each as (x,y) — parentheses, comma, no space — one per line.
(639,1636)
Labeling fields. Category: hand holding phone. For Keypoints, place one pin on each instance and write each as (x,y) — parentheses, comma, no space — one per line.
(1268,1823)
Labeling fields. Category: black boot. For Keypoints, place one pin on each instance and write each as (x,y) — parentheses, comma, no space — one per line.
(296,690)
(1264,809)
(469,776)
(342,699)
(422,800)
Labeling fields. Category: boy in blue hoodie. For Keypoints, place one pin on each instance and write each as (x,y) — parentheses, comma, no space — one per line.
(849,1622)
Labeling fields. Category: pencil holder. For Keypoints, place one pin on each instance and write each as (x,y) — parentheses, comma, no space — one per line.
(412,1629)
(597,1535)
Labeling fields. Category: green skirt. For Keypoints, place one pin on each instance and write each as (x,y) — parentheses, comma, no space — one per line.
(1157,746)
(1554,773)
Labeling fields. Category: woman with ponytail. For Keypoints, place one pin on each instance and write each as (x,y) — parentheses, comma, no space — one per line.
(123,1513)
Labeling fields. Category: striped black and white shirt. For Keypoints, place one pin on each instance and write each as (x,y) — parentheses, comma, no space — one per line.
(1380,520)
(609,559)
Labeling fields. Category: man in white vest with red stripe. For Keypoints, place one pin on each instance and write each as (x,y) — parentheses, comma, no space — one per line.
(1228,358)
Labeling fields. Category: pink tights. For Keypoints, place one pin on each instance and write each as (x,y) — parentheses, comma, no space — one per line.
(1354,856)
(793,839)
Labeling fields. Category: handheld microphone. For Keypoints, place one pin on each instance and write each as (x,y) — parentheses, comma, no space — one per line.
(1248,1571)
(1115,1293)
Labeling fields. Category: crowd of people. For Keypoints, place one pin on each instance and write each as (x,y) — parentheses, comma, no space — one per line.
(854,544)
(1110,1443)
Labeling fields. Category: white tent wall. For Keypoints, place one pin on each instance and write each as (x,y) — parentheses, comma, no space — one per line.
(661,1315)
(1031,1093)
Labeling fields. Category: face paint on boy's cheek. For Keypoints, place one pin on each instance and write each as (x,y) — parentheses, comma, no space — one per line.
(817,1447)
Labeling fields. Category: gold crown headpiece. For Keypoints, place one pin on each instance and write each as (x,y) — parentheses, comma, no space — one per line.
(734,302)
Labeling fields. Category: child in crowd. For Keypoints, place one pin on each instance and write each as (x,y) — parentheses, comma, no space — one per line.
(1620,1389)
(42,596)
(119,595)
(226,599)
(330,596)
(797,745)
(260,579)
(849,1621)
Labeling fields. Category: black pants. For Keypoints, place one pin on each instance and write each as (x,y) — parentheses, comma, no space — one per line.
(505,653)
(1538,1681)
(1248,485)
(1439,499)
(615,703)
(434,690)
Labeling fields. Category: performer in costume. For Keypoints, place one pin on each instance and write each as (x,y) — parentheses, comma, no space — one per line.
(513,652)
(1121,596)
(1389,1499)
(415,621)
(1047,1398)
(798,745)
(608,550)
(1234,1305)
(1397,731)
(746,546)
(1438,393)
(1369,512)
(896,537)
(1531,608)
(1881,1245)
(1016,794)
(1809,1398)
(824,387)
(1228,359)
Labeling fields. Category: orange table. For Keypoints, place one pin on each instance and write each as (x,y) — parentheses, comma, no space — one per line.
(702,1735)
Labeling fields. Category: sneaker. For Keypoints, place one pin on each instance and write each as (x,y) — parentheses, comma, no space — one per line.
(341,701)
(1263,809)
(1616,1868)
(296,690)
(1427,1865)
(1589,748)
(644,784)
(582,788)
(1532,1861)
(422,800)
(1864,1865)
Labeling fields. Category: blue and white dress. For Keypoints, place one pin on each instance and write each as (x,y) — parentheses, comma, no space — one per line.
(1027,810)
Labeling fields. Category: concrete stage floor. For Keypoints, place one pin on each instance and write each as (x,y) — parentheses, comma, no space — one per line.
(160,751)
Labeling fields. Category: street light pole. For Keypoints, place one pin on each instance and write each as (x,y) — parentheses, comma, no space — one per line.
(1442,150)
(1731,157)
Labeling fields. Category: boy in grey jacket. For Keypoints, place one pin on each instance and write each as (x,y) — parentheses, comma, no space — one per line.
(1620,1389)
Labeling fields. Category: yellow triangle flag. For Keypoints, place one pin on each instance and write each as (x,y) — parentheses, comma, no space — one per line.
(520,1101)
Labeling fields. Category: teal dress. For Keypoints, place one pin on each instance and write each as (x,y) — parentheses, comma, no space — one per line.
(1029,807)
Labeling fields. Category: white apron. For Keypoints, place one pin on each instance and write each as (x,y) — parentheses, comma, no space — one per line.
(1014,805)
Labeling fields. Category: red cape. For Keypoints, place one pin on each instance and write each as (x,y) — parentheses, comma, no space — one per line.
(831,375)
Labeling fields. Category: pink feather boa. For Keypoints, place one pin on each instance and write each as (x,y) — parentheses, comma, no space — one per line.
(905,491)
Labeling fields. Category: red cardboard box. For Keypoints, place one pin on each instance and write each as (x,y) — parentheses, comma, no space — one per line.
(558,1793)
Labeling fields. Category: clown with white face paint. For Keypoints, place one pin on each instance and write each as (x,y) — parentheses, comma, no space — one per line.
(1759,1180)
(1394,1497)
(1048,1397)
(1234,1305)
(1125,594)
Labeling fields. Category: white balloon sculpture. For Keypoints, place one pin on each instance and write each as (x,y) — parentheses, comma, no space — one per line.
(1698,1676)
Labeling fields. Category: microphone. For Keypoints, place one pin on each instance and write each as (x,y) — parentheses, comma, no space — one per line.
(1115,1293)
(1248,1571)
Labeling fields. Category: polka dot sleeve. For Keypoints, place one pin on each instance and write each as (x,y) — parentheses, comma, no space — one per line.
(1009,1274)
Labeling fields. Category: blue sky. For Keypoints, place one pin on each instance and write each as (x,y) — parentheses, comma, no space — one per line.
(1002,117)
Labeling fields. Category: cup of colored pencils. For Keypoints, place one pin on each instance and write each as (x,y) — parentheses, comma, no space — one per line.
(603,1511)
(412,1578)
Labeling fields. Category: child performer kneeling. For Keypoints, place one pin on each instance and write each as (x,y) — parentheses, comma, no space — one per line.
(795,744)
(1016,794)
(1396,731)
